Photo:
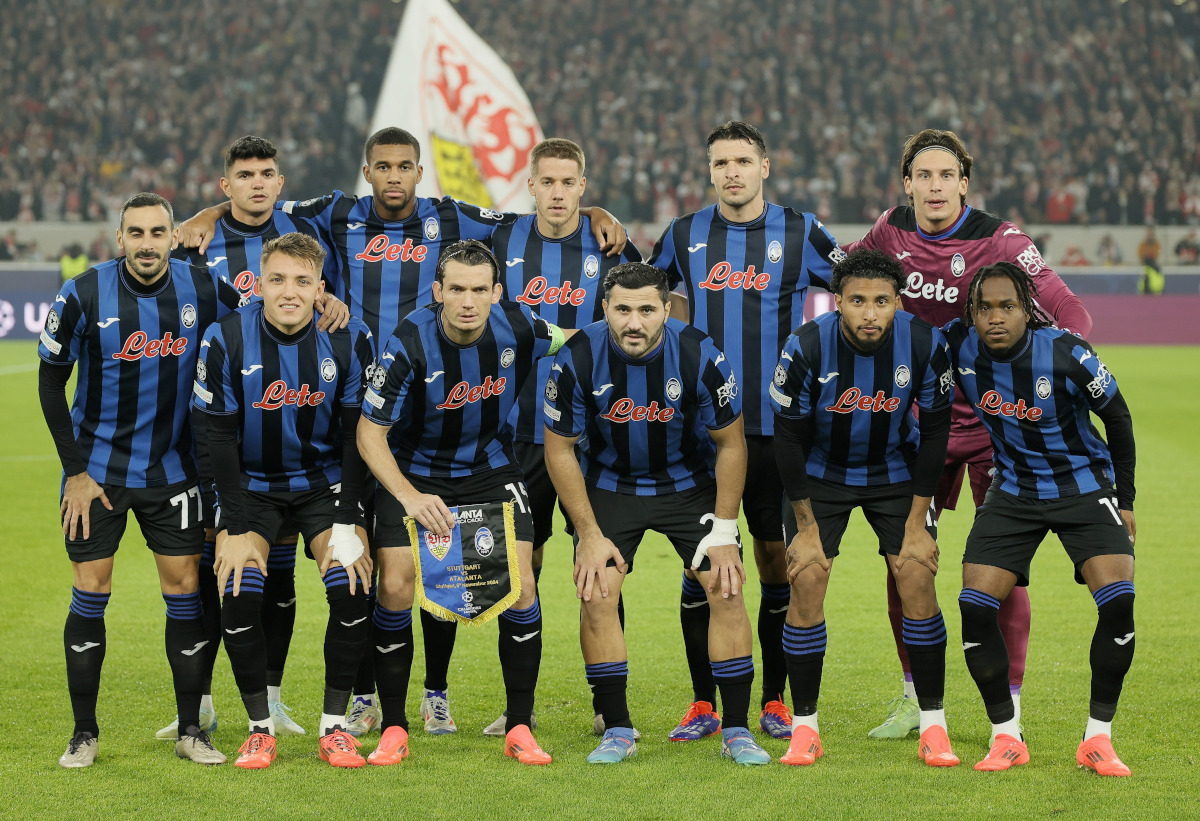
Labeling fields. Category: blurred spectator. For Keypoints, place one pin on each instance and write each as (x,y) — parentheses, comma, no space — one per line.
(1108,252)
(1187,250)
(1074,256)
(73,261)
(1149,249)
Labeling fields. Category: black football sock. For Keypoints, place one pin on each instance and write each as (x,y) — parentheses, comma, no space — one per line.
(347,634)
(392,637)
(364,682)
(609,683)
(279,609)
(734,678)
(520,648)
(84,643)
(210,602)
(925,641)
(986,653)
(772,612)
(185,643)
(438,637)
(693,616)
(804,650)
(1112,647)
(245,641)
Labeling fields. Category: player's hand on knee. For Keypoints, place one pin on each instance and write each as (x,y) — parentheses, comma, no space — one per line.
(431,512)
(233,555)
(347,549)
(804,551)
(76,505)
(591,565)
(726,573)
(335,314)
(918,546)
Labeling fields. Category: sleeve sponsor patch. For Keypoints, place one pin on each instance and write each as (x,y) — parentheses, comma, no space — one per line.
(373,399)
(205,396)
(50,343)
(779,396)
(552,412)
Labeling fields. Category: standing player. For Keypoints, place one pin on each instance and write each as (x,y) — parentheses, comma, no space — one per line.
(1033,387)
(746,266)
(386,250)
(134,326)
(444,385)
(938,238)
(657,404)
(554,265)
(845,437)
(282,400)
(252,181)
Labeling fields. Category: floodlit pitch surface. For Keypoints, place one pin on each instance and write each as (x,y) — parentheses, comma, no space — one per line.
(467,776)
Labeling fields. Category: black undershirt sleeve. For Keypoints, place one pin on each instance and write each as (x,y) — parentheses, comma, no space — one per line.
(792,438)
(227,470)
(1118,429)
(354,469)
(52,391)
(931,456)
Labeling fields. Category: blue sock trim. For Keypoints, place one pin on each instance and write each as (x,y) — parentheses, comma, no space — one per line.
(971,596)
(282,557)
(776,593)
(804,641)
(184,605)
(606,669)
(208,555)
(527,616)
(88,605)
(924,632)
(252,581)
(693,590)
(732,668)
(386,619)
(336,577)
(1110,591)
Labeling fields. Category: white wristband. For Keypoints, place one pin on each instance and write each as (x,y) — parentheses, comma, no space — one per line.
(724,531)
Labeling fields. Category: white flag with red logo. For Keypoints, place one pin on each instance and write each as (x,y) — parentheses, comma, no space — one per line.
(451,90)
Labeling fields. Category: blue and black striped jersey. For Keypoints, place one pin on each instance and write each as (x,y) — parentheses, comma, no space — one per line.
(563,281)
(385,270)
(137,349)
(643,422)
(449,405)
(287,393)
(860,405)
(1035,403)
(746,284)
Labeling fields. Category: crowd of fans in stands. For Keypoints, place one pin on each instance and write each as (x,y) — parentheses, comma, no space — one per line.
(1077,113)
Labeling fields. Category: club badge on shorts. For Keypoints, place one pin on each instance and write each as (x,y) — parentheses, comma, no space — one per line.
(470,576)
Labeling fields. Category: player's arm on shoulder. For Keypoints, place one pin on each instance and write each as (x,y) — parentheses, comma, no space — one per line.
(197,231)
(334,313)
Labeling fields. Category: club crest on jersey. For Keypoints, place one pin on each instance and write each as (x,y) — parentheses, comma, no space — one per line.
(1043,387)
(484,542)
(551,390)
(52,321)
(279,394)
(507,357)
(188,315)
(431,228)
(328,370)
(780,375)
(439,546)
(463,393)
(726,392)
(774,251)
(902,376)
(591,266)
(201,371)
(958,265)
(674,389)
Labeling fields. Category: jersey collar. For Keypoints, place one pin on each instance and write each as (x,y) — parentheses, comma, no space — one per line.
(949,231)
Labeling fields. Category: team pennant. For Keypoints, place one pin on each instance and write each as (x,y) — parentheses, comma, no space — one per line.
(471,575)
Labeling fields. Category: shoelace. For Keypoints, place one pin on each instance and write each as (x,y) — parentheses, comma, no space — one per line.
(440,708)
(253,744)
(693,712)
(75,743)
(343,742)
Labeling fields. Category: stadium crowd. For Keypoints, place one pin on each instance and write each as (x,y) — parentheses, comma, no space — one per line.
(1084,113)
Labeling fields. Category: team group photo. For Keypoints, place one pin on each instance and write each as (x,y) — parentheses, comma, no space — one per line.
(420,422)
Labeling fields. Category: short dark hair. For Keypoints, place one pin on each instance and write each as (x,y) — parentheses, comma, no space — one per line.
(556,148)
(936,138)
(391,136)
(250,147)
(738,130)
(634,275)
(468,252)
(298,246)
(867,263)
(147,199)
(1021,280)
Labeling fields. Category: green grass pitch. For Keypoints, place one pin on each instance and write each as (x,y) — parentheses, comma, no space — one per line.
(466,776)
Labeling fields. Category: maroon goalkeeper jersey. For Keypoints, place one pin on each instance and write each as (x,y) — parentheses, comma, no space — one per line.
(939,268)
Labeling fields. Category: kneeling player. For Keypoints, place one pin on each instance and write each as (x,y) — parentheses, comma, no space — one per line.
(843,396)
(1033,387)
(658,406)
(290,393)
(445,385)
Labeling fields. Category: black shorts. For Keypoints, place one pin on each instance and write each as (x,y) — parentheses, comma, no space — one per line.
(171,519)
(885,507)
(310,512)
(625,518)
(761,500)
(542,495)
(1008,530)
(503,485)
